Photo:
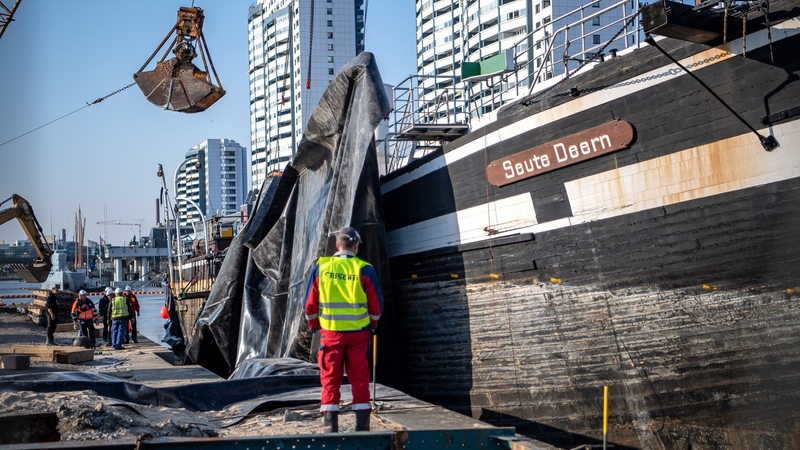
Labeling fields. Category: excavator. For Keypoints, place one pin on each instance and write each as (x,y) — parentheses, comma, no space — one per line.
(177,84)
(22,211)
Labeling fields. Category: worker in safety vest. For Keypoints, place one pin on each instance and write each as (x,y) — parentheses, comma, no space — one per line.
(119,310)
(344,303)
(84,315)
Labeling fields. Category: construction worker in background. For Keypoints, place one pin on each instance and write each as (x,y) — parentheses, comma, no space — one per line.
(344,303)
(51,309)
(84,315)
(119,311)
(130,331)
(102,306)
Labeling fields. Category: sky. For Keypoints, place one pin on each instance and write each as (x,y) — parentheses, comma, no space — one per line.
(58,56)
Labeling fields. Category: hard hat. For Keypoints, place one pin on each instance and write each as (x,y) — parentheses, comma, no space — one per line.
(348,235)
(118,291)
(109,291)
(82,292)
(127,288)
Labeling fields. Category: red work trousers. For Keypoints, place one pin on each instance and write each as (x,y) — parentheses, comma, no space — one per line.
(339,351)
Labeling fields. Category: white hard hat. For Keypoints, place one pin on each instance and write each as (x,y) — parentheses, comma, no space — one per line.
(128,288)
(109,291)
(118,291)
(82,292)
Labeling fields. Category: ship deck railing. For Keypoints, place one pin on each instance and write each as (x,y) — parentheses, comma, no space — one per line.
(432,110)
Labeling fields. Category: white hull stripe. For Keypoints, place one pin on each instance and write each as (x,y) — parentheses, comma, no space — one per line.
(724,166)
(646,80)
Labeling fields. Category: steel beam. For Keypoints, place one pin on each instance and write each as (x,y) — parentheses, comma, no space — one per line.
(464,439)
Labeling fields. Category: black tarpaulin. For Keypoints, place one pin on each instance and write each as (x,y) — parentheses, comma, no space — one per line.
(263,385)
(255,308)
(213,395)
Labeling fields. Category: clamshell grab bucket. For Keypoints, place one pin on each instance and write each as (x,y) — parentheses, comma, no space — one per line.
(177,84)
(178,87)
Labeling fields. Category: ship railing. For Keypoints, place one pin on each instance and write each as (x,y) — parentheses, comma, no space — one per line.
(580,38)
(417,117)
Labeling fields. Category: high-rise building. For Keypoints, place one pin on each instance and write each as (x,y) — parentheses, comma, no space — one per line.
(295,49)
(213,176)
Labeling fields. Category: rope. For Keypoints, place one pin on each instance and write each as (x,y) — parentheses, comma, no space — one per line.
(96,101)
(768,142)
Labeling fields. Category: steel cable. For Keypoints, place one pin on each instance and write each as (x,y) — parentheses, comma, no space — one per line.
(88,104)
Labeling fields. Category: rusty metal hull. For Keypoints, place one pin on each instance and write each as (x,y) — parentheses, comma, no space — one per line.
(668,271)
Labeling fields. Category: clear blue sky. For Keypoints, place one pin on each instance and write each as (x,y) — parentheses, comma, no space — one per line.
(59,55)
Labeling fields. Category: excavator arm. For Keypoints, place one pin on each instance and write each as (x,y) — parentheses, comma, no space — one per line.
(22,211)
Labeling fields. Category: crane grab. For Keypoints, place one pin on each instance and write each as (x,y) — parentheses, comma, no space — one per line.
(177,84)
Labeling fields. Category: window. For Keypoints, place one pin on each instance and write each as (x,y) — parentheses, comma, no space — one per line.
(330,70)
(596,5)
(330,11)
(330,59)
(330,47)
(330,34)
(538,8)
(330,23)
(595,39)
(596,21)
(545,3)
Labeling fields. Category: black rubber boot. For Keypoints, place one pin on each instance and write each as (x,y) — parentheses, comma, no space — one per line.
(331,421)
(362,419)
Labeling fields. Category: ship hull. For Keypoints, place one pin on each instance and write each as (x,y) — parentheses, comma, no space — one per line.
(667,270)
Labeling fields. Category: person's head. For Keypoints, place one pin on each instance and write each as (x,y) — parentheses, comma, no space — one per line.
(82,294)
(128,289)
(54,289)
(348,239)
(118,291)
(109,291)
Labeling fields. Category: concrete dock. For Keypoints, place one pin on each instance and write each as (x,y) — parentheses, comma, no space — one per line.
(142,397)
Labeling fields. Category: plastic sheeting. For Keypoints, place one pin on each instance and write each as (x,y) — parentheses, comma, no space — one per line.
(234,398)
(211,396)
(261,367)
(255,308)
(173,334)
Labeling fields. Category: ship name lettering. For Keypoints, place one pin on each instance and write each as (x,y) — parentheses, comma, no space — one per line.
(535,162)
(564,153)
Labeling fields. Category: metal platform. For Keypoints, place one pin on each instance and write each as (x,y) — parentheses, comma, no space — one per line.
(432,132)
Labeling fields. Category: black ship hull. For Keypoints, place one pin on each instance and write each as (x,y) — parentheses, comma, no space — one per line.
(667,270)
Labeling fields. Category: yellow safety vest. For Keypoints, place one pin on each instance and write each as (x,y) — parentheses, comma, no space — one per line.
(119,307)
(342,300)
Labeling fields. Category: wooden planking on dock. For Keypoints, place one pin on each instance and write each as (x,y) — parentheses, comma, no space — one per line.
(61,354)
(64,300)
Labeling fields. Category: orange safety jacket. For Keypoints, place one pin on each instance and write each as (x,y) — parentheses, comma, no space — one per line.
(84,310)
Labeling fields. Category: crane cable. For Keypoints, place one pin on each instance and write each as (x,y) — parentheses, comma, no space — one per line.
(310,47)
(88,104)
